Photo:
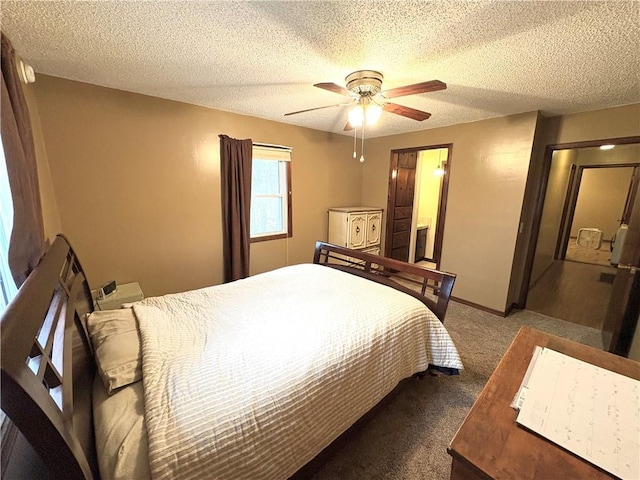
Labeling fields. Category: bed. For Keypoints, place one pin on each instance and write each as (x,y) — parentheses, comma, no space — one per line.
(251,379)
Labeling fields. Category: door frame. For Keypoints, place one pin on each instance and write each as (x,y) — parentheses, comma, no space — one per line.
(539,205)
(571,202)
(442,199)
(623,313)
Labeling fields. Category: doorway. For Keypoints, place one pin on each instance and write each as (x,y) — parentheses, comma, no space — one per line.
(587,194)
(416,207)
(597,208)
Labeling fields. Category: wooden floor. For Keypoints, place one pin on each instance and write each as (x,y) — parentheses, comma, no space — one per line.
(425,263)
(601,256)
(573,291)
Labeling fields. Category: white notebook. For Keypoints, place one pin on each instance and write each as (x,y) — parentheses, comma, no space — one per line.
(587,410)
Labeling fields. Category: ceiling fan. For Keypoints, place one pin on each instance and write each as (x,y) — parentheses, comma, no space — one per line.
(364,89)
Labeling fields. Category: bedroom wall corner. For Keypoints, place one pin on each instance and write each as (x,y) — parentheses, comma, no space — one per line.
(50,213)
(527,215)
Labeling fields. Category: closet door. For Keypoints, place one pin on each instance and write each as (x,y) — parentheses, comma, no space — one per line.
(401,205)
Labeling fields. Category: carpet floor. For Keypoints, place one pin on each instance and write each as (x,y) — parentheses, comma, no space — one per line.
(407,438)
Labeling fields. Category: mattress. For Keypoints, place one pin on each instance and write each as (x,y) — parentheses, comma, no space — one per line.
(120,432)
(254,378)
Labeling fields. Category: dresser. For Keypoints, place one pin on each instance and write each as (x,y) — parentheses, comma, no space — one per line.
(490,445)
(356,227)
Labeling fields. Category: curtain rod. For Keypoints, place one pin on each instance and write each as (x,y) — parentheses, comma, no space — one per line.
(277,147)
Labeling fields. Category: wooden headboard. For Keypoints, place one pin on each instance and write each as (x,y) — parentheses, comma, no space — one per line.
(431,287)
(47,365)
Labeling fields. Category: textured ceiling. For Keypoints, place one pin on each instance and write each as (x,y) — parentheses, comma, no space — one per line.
(262,58)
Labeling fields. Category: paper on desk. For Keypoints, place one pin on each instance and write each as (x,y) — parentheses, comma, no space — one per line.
(588,410)
(522,391)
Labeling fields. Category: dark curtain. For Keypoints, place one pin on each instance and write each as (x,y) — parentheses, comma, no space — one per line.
(27,236)
(235,174)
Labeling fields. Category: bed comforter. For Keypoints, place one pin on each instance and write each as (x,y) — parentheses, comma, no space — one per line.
(252,379)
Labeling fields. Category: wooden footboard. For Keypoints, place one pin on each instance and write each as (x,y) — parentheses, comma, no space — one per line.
(431,287)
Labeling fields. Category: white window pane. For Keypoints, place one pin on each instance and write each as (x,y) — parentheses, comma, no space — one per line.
(265,177)
(266,215)
(8,287)
(269,192)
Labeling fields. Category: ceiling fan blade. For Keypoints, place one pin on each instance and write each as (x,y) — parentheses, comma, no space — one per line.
(317,108)
(347,126)
(332,87)
(408,112)
(430,86)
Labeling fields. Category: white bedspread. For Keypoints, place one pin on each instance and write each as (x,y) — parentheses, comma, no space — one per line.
(251,380)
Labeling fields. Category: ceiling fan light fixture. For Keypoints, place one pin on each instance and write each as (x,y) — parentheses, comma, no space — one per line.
(363,90)
(364,111)
(356,116)
(372,113)
(368,82)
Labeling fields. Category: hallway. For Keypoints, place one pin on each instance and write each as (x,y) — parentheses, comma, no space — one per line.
(573,291)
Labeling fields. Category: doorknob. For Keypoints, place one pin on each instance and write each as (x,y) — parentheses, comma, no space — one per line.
(632,269)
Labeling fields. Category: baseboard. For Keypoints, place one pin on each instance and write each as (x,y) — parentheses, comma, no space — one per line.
(482,307)
(511,308)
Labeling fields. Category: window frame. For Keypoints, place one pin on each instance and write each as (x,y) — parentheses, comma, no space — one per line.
(289,210)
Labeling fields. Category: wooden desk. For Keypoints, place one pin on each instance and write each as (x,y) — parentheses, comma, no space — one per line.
(489,444)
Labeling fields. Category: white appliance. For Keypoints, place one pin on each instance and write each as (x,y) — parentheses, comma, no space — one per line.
(617,244)
(589,238)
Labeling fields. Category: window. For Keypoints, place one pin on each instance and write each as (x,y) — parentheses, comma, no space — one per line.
(270,193)
(8,287)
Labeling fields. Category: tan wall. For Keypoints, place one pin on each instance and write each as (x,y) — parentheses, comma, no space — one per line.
(552,211)
(519,270)
(138,190)
(601,199)
(617,122)
(50,214)
(136,184)
(488,168)
(621,154)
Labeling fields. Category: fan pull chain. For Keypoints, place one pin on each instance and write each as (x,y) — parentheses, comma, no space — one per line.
(362,148)
(355,135)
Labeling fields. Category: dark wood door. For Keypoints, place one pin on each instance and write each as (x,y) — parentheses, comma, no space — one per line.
(622,315)
(400,204)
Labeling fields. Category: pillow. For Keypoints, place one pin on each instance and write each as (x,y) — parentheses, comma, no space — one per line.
(116,343)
